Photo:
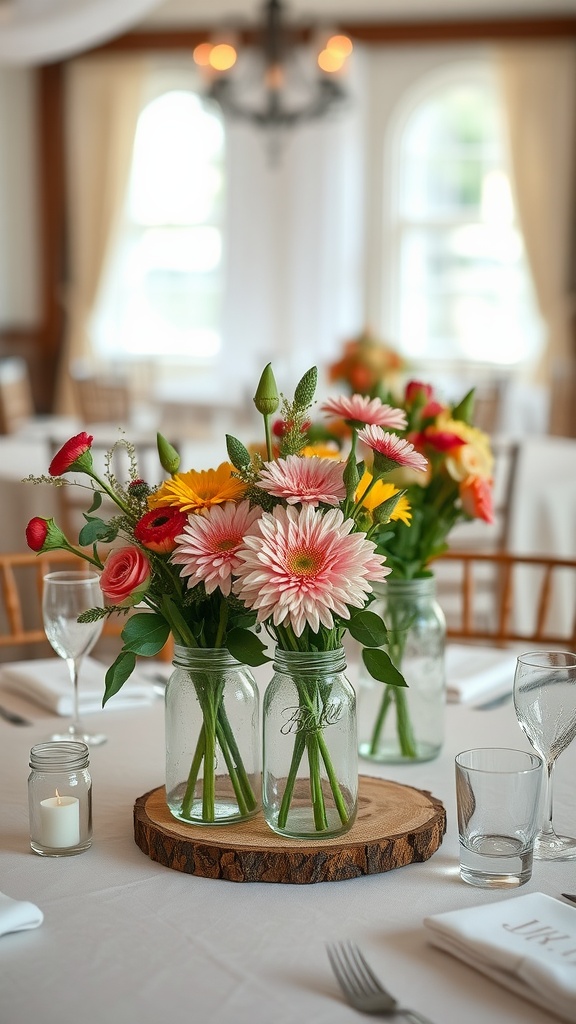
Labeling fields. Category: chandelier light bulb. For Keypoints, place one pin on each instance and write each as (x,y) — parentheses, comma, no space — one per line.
(340,45)
(222,57)
(201,54)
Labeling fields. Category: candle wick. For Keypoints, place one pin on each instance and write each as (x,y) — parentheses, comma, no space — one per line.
(58,797)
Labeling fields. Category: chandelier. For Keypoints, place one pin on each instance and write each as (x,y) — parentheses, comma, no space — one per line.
(271,83)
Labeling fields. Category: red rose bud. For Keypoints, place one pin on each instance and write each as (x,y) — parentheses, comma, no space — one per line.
(125,577)
(158,529)
(75,454)
(418,392)
(443,440)
(44,535)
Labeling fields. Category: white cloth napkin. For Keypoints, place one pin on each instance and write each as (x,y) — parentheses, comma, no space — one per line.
(527,944)
(17,915)
(475,674)
(47,682)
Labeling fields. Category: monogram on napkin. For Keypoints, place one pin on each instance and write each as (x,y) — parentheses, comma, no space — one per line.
(527,943)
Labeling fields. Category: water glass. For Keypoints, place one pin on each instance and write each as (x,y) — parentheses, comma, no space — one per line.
(497,797)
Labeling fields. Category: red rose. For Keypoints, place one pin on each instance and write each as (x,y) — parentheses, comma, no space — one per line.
(416,391)
(36,533)
(443,440)
(44,535)
(70,453)
(158,529)
(126,576)
(476,498)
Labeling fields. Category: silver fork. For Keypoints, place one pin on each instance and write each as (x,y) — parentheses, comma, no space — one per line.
(360,985)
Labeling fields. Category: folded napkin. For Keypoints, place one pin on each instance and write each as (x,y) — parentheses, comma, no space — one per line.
(527,944)
(47,682)
(17,915)
(475,674)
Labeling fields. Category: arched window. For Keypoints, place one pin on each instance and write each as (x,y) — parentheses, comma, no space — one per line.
(163,286)
(462,292)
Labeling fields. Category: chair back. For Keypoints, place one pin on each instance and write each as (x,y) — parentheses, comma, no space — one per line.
(532,598)
(16,402)
(21,628)
(103,399)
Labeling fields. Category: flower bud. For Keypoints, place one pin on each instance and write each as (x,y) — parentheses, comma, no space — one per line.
(266,398)
(306,389)
(383,512)
(239,455)
(464,411)
(169,457)
(44,535)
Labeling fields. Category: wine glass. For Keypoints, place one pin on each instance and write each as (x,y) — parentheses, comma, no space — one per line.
(545,704)
(66,595)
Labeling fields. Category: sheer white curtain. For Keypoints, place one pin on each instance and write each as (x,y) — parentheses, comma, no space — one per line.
(295,272)
(539,92)
(103,99)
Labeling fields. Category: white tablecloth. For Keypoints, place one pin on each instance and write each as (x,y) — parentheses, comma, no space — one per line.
(127,941)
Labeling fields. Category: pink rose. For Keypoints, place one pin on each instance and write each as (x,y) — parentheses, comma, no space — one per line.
(125,577)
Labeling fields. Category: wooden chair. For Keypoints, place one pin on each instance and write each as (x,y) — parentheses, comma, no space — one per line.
(21,631)
(16,402)
(103,399)
(533,598)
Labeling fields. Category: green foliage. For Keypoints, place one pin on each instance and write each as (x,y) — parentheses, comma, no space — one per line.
(118,673)
(96,530)
(306,389)
(145,633)
(94,614)
(246,647)
(368,628)
(381,668)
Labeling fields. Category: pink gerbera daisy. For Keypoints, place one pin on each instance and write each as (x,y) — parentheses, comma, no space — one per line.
(207,549)
(303,566)
(390,450)
(361,409)
(307,480)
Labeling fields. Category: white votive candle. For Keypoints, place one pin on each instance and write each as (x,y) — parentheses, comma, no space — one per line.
(60,822)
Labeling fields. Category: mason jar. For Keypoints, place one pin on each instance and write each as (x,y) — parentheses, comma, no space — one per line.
(213,771)
(310,746)
(406,724)
(60,798)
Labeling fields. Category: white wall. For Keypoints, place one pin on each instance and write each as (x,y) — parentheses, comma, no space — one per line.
(19,256)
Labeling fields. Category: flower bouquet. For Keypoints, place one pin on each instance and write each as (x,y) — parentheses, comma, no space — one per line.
(456,487)
(281,542)
(138,552)
(367,366)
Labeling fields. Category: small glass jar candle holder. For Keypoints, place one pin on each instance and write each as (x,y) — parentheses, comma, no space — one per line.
(60,798)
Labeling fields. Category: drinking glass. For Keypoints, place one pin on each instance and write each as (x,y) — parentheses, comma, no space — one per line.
(545,704)
(66,595)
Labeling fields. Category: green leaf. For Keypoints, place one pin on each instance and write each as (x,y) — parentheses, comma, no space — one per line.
(118,673)
(96,502)
(381,668)
(145,633)
(246,647)
(94,530)
(367,627)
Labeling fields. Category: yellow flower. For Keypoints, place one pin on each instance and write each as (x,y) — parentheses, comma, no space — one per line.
(380,493)
(321,449)
(471,459)
(199,489)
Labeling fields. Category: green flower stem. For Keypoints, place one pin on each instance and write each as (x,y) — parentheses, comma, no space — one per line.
(297,754)
(404,725)
(216,730)
(317,796)
(333,779)
(268,435)
(396,695)
(228,741)
(188,798)
(380,719)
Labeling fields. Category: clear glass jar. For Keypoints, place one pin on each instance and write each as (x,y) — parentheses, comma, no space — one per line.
(310,753)
(212,738)
(60,798)
(399,724)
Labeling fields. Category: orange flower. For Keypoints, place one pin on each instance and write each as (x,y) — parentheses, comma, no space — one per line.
(196,490)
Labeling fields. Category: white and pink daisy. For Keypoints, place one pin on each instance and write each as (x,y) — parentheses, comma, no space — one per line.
(361,409)
(391,451)
(306,480)
(207,550)
(303,566)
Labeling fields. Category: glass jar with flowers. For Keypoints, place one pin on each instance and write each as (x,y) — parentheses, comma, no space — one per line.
(176,580)
(308,570)
(403,725)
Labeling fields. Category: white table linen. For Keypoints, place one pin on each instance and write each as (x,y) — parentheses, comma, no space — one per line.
(128,941)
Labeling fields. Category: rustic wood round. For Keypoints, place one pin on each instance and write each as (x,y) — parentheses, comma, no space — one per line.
(395,825)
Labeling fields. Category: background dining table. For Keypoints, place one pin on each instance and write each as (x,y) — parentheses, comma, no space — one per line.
(127,941)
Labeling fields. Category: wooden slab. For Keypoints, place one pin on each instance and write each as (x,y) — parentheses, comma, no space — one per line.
(395,825)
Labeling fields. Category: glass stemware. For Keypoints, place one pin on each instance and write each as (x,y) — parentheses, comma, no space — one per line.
(65,596)
(545,704)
